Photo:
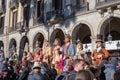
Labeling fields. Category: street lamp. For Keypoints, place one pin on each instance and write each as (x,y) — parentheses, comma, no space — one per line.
(118,45)
(86,47)
(78,40)
(2,48)
(109,35)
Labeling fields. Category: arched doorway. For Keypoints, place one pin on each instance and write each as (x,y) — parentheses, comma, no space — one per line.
(111,26)
(40,38)
(57,34)
(24,46)
(12,46)
(1,45)
(81,32)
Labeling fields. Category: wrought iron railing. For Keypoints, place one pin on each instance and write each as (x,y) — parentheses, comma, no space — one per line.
(46,16)
(80,8)
(18,26)
(21,27)
(102,3)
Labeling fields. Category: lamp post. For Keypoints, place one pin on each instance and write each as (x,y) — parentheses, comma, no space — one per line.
(78,40)
(109,35)
(86,47)
(118,47)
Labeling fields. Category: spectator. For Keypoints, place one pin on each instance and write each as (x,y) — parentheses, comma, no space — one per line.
(36,75)
(87,65)
(64,74)
(102,75)
(53,71)
(117,75)
(25,71)
(78,65)
(96,72)
(110,69)
(84,75)
(4,72)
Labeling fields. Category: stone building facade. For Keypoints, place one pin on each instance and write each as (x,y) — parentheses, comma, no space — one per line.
(23,22)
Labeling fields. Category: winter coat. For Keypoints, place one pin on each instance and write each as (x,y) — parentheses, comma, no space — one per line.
(71,76)
(110,69)
(99,56)
(109,72)
(36,76)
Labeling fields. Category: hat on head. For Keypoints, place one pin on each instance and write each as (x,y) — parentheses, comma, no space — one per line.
(99,38)
(36,65)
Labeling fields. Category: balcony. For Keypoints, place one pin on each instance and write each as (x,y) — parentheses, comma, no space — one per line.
(106,3)
(1,30)
(38,20)
(2,8)
(54,17)
(17,27)
(13,3)
(24,2)
(23,26)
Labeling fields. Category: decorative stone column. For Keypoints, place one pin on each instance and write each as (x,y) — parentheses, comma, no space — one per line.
(6,46)
(93,44)
(31,48)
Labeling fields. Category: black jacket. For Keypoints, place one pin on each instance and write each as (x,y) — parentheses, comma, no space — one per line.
(71,76)
(36,76)
(24,74)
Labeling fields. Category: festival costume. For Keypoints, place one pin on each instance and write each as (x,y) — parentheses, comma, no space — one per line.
(80,55)
(100,53)
(56,55)
(98,56)
(38,57)
(69,50)
(47,54)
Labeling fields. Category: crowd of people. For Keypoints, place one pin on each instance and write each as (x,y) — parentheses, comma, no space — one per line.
(61,62)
